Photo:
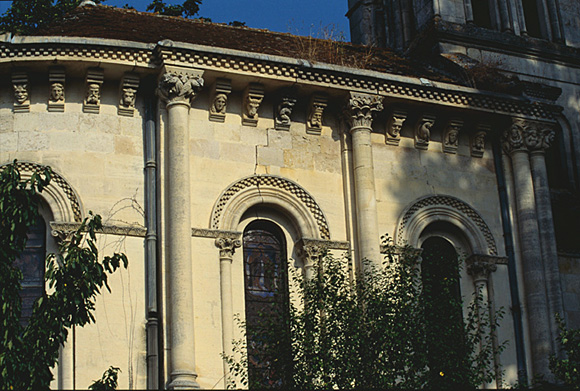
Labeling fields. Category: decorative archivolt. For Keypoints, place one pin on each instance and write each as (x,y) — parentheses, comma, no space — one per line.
(277,192)
(435,208)
(60,196)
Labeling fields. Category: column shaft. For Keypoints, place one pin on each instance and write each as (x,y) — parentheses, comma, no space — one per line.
(548,239)
(535,284)
(179,263)
(366,201)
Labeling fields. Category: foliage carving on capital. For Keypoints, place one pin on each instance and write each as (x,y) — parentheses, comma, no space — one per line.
(360,109)
(179,87)
(513,139)
(480,266)
(538,136)
(227,246)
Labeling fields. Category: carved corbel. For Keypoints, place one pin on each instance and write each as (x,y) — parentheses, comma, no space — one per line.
(394,126)
(316,108)
(21,92)
(477,140)
(512,138)
(253,97)
(219,100)
(56,96)
(227,247)
(128,94)
(94,82)
(283,111)
(360,109)
(423,131)
(451,136)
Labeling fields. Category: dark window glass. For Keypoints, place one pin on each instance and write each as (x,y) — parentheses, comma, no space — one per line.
(31,263)
(266,297)
(443,313)
(532,18)
(481,13)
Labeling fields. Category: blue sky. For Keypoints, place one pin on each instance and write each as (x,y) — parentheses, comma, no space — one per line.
(303,17)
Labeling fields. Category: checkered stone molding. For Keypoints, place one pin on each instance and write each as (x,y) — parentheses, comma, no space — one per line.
(454,203)
(344,80)
(279,183)
(28,168)
(142,56)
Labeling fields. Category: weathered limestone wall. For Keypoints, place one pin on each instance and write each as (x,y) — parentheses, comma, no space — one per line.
(101,157)
(570,14)
(570,274)
(452,10)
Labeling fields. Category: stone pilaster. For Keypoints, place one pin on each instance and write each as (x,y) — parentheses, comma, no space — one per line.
(360,109)
(531,253)
(177,90)
(539,137)
(227,248)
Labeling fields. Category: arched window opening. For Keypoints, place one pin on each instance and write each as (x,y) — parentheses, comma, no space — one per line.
(266,301)
(532,16)
(443,311)
(481,13)
(31,264)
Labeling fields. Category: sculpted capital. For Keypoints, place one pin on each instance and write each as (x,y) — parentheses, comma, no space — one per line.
(360,109)
(174,87)
(227,246)
(480,266)
(539,137)
(513,138)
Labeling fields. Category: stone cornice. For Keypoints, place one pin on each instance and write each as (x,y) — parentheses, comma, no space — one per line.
(478,37)
(58,228)
(228,61)
(215,233)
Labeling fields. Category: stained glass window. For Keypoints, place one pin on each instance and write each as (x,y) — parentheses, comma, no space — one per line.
(266,297)
(31,263)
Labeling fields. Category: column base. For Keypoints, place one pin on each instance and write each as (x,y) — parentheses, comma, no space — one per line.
(182,380)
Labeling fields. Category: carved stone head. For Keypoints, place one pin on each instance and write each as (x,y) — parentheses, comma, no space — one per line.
(549,136)
(531,137)
(452,136)
(56,92)
(252,106)
(128,96)
(93,93)
(21,93)
(479,141)
(316,117)
(396,125)
(219,104)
